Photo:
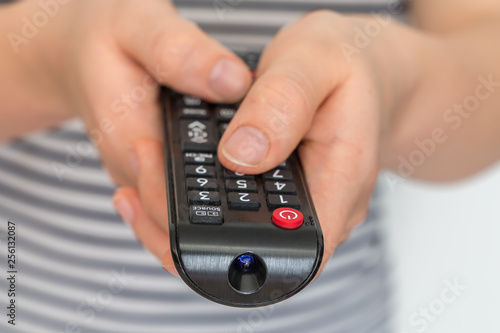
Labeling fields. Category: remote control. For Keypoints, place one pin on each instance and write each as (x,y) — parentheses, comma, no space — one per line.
(236,239)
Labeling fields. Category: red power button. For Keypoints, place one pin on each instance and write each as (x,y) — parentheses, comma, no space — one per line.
(288,218)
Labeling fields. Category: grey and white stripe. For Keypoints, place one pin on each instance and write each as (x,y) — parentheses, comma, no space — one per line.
(82,270)
(250,24)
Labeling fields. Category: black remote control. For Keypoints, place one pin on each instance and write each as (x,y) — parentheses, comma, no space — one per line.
(239,240)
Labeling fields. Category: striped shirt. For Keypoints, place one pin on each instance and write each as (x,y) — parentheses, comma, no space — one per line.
(80,268)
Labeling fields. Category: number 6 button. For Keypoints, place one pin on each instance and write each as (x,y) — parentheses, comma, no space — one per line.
(200,171)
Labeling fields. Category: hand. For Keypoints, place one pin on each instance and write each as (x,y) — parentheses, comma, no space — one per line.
(307,92)
(106,59)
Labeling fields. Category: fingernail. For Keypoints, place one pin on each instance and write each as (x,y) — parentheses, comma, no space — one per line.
(134,161)
(229,79)
(247,147)
(125,210)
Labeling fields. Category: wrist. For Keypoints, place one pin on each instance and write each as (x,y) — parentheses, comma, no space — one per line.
(399,58)
(405,64)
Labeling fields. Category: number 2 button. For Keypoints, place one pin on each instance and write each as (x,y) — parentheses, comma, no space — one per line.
(243,201)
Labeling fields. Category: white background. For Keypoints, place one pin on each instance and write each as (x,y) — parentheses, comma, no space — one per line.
(445,232)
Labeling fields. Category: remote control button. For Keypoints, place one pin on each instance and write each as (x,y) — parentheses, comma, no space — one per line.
(193,113)
(287,218)
(282,200)
(283,165)
(251,59)
(241,185)
(199,171)
(278,174)
(206,215)
(225,113)
(243,201)
(280,187)
(199,158)
(203,198)
(223,128)
(237,175)
(202,184)
(191,101)
(198,136)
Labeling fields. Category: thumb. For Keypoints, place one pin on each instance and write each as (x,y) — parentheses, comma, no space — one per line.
(178,54)
(279,108)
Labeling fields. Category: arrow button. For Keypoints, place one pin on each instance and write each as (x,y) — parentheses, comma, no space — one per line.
(197,136)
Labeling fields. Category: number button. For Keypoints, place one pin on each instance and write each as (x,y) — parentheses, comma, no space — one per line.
(243,201)
(203,198)
(228,174)
(278,174)
(284,165)
(199,171)
(241,185)
(280,187)
(281,200)
(201,184)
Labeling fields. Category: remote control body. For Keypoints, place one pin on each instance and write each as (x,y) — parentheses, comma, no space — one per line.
(239,240)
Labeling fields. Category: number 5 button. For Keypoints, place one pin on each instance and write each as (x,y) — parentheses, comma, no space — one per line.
(287,218)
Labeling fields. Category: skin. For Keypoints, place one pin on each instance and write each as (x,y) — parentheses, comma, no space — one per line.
(351,115)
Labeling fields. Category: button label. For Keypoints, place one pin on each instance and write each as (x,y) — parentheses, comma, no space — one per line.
(243,197)
(289,214)
(197,132)
(283,201)
(279,186)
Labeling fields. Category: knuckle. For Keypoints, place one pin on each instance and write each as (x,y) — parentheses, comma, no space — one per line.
(173,49)
(286,101)
(324,19)
(320,15)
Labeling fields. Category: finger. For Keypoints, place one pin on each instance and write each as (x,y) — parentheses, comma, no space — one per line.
(293,81)
(151,180)
(178,54)
(340,158)
(119,109)
(155,239)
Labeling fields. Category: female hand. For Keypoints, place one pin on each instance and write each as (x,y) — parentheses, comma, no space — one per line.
(308,91)
(103,61)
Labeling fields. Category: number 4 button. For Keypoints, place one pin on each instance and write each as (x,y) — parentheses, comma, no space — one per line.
(280,187)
